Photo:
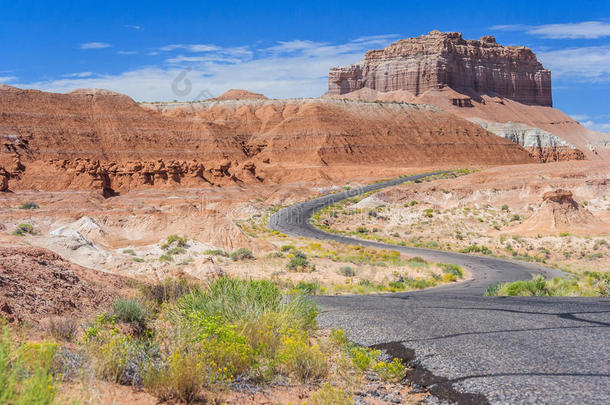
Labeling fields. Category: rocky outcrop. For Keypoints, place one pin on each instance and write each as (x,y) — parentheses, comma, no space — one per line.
(446,59)
(37,283)
(558,213)
(542,145)
(93,139)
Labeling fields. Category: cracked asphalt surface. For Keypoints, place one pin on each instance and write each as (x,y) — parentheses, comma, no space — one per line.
(467,348)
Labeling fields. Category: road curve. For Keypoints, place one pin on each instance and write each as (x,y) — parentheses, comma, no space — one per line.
(465,347)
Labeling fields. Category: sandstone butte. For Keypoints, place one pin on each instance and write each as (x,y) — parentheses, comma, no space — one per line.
(97,139)
(479,80)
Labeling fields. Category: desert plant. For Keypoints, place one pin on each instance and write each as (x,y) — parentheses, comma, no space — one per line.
(329,395)
(23,229)
(30,205)
(176,251)
(241,254)
(453,269)
(166,258)
(131,311)
(347,271)
(167,291)
(130,252)
(62,328)
(299,262)
(393,371)
(298,358)
(216,252)
(25,371)
(174,240)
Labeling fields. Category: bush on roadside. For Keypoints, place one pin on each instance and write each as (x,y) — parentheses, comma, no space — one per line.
(25,371)
(329,395)
(452,269)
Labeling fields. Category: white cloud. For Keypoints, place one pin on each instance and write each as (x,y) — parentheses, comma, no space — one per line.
(189,47)
(588,63)
(79,74)
(288,69)
(127,52)
(597,126)
(581,30)
(7,79)
(580,117)
(95,45)
(135,27)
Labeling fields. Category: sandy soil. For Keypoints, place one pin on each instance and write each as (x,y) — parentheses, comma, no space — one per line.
(492,209)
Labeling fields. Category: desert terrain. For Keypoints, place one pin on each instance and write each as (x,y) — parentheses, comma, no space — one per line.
(137,254)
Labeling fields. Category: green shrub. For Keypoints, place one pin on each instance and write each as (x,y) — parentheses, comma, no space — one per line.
(393,371)
(338,338)
(286,248)
(299,262)
(242,254)
(362,229)
(176,251)
(453,269)
(347,271)
(112,353)
(477,249)
(131,311)
(30,205)
(174,240)
(515,217)
(130,252)
(166,258)
(296,357)
(216,252)
(492,290)
(137,259)
(181,376)
(329,395)
(306,288)
(25,371)
(505,207)
(23,229)
(363,357)
(417,261)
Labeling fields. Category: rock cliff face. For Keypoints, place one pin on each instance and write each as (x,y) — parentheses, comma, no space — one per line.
(542,145)
(446,59)
(94,139)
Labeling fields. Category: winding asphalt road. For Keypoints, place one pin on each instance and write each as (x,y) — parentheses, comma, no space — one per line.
(467,348)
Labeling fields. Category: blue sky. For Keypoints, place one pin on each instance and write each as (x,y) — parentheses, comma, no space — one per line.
(284,49)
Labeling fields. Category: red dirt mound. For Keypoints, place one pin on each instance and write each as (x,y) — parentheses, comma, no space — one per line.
(36,283)
(237,94)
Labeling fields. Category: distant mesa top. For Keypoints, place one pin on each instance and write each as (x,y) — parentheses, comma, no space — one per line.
(442,59)
(238,94)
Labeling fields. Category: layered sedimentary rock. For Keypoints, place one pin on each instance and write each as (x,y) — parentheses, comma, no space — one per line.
(542,145)
(95,139)
(446,59)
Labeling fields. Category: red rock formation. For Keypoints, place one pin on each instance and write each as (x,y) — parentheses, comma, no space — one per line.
(237,94)
(446,59)
(95,139)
